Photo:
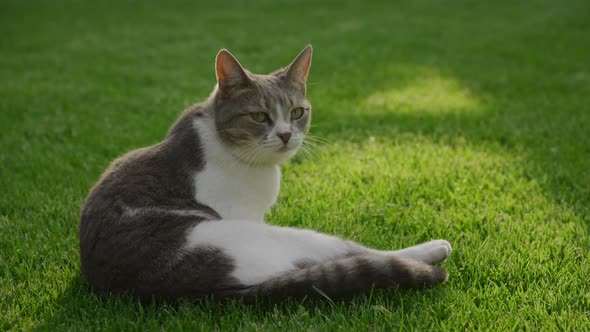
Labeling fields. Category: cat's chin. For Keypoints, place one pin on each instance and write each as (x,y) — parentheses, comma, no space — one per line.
(270,158)
(284,155)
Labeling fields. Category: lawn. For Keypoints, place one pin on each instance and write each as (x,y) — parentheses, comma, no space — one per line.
(462,120)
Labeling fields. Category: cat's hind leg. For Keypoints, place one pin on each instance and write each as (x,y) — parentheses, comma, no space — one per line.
(278,262)
(260,251)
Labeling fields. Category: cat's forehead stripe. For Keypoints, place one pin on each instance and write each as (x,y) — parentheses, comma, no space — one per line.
(273,92)
(279,100)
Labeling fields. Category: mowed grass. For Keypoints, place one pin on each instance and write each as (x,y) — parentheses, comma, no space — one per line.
(468,121)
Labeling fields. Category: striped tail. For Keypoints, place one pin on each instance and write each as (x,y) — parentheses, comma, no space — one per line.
(348,275)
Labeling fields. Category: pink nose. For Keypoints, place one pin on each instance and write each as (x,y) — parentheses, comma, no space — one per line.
(284,137)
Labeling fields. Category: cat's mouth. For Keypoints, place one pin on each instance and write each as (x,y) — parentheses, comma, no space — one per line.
(284,148)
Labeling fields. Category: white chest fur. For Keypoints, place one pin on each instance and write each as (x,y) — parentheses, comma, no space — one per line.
(233,189)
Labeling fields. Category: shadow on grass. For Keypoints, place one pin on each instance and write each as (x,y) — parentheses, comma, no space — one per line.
(78,308)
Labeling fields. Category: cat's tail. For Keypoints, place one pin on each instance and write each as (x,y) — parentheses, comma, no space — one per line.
(348,275)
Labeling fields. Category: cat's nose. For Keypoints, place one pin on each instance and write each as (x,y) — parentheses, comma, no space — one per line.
(284,137)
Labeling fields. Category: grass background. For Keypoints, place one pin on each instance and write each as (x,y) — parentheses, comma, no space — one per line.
(462,120)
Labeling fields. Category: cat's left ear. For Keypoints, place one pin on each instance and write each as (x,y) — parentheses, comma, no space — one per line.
(299,68)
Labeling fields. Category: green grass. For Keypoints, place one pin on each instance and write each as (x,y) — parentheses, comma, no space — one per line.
(462,120)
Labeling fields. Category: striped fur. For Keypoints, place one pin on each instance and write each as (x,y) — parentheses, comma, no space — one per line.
(345,276)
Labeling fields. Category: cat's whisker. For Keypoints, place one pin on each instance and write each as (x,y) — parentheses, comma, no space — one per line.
(318,139)
(315,146)
(311,151)
(306,154)
(258,157)
(251,155)
(319,148)
(244,153)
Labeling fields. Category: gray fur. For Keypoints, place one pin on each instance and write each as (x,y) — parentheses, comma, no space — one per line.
(135,219)
(348,275)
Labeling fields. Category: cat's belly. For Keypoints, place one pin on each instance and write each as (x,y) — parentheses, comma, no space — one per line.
(238,191)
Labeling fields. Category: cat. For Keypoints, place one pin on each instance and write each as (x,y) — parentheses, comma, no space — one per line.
(185,218)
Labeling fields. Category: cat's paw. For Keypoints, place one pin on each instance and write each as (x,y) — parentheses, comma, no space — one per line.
(438,250)
(431,252)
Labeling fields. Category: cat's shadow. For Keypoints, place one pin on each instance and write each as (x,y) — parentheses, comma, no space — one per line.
(80,309)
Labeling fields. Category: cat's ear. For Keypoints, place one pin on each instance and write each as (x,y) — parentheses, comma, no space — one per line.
(229,72)
(299,68)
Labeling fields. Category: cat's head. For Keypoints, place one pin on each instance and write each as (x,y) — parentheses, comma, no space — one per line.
(262,119)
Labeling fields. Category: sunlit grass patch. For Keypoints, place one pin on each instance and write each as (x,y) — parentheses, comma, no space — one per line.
(429,92)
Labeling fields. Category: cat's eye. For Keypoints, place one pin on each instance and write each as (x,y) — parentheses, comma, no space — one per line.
(296,113)
(259,116)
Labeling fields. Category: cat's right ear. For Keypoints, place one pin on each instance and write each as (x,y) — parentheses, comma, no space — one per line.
(299,68)
(230,74)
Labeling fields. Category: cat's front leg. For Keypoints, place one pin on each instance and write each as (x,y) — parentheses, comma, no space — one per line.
(430,252)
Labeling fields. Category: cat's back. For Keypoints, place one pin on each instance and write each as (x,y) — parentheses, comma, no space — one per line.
(149,178)
(134,219)
(157,175)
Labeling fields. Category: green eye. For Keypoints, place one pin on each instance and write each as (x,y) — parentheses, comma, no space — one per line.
(259,116)
(296,113)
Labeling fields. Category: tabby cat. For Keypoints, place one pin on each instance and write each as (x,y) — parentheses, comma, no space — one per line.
(185,218)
